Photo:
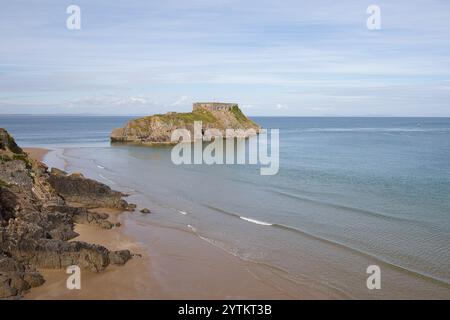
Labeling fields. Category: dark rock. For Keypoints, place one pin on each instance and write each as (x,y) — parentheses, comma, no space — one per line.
(58,172)
(7,143)
(76,188)
(145,210)
(119,257)
(7,289)
(131,207)
(62,234)
(63,208)
(8,264)
(93,218)
(34,279)
(15,278)
(14,172)
(105,224)
(57,254)
(8,204)
(36,220)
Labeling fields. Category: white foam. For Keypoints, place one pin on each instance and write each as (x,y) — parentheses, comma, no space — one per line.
(256,221)
(103,177)
(100,167)
(182,212)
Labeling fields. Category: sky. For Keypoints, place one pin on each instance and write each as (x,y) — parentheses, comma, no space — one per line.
(273,58)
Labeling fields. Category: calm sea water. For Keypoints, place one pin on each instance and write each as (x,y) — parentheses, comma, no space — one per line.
(351,192)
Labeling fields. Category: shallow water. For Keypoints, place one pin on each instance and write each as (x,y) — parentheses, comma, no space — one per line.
(351,192)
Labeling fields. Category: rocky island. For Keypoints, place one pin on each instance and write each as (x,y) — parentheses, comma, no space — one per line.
(38,210)
(157,129)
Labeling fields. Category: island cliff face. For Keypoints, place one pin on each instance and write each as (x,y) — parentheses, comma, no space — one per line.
(38,209)
(157,129)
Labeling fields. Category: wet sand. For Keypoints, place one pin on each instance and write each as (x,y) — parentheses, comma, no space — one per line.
(187,267)
(177,265)
(174,264)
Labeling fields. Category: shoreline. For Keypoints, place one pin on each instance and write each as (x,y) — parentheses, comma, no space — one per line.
(121,282)
(174,264)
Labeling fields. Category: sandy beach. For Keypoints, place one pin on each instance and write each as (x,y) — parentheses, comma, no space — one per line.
(36,153)
(130,282)
(177,265)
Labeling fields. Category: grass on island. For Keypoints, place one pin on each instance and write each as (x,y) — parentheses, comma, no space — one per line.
(197,115)
(242,118)
(18,156)
(187,118)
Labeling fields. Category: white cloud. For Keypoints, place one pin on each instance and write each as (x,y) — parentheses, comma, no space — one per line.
(281,107)
(138,100)
(110,101)
(179,101)
(232,50)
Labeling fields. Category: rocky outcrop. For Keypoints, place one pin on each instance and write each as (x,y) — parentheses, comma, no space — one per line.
(83,216)
(78,189)
(7,143)
(37,219)
(16,278)
(119,257)
(157,129)
(57,254)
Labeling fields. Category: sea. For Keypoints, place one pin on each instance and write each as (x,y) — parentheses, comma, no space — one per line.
(351,193)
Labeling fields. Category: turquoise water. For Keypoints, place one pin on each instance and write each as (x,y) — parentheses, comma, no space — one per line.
(351,192)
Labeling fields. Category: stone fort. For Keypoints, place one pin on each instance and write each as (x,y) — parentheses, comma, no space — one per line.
(214,106)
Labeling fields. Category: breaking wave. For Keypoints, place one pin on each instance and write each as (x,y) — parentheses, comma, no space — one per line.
(256,221)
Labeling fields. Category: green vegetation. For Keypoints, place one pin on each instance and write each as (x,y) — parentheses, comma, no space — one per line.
(4,184)
(240,116)
(189,117)
(157,128)
(182,119)
(4,158)
(13,146)
(23,157)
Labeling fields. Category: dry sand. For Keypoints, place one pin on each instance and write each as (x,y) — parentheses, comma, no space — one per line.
(132,281)
(36,153)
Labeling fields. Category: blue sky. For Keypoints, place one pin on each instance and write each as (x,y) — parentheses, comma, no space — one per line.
(274,58)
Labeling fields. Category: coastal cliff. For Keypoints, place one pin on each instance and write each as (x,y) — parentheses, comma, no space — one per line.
(38,210)
(157,129)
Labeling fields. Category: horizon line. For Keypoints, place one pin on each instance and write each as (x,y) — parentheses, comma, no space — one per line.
(260,116)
